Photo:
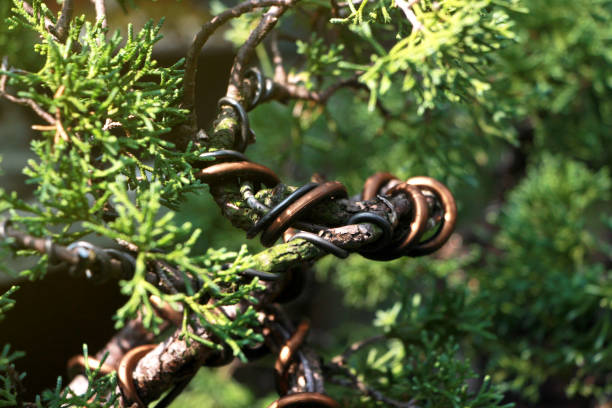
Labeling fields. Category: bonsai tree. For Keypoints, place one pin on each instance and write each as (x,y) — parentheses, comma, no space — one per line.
(495,113)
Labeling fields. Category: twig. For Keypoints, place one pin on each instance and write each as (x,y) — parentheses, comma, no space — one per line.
(339,365)
(365,389)
(406,7)
(355,347)
(48,23)
(61,28)
(245,53)
(22,101)
(335,10)
(285,91)
(191,59)
(279,70)
(100,11)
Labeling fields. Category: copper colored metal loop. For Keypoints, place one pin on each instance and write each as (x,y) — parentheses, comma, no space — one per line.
(448,221)
(222,155)
(420,216)
(305,400)
(243,169)
(286,355)
(420,213)
(126,370)
(331,189)
(373,184)
(280,207)
(76,365)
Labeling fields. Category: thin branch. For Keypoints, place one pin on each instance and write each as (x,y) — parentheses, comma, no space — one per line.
(335,11)
(48,23)
(285,91)
(279,70)
(355,347)
(339,365)
(76,46)
(245,53)
(61,28)
(191,59)
(22,101)
(100,11)
(406,7)
(355,382)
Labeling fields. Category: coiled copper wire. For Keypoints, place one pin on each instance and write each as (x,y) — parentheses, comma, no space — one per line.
(244,170)
(125,373)
(330,189)
(409,245)
(286,355)
(374,183)
(305,400)
(448,220)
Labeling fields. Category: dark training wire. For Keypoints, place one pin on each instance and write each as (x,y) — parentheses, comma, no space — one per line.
(98,264)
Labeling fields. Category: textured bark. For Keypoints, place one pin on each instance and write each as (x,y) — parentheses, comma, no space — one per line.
(171,362)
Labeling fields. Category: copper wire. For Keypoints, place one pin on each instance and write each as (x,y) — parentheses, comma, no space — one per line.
(448,220)
(305,400)
(299,207)
(286,355)
(125,373)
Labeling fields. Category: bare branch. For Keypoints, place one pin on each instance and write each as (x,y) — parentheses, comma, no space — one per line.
(339,366)
(48,23)
(335,12)
(191,59)
(22,101)
(406,7)
(279,70)
(355,347)
(245,53)
(355,382)
(100,11)
(285,91)
(61,28)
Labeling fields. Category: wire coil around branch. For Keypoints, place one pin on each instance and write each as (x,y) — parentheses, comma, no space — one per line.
(409,244)
(81,257)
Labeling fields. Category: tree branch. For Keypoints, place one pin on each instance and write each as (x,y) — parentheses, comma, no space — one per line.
(284,91)
(100,11)
(279,70)
(61,28)
(355,382)
(191,59)
(48,23)
(22,101)
(245,53)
